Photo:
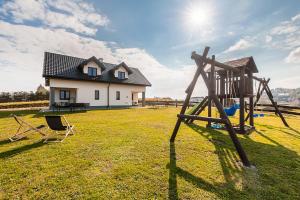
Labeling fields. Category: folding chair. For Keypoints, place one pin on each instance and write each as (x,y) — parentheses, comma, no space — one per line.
(24,129)
(55,124)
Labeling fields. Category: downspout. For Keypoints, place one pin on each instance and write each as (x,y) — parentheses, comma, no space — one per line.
(108,95)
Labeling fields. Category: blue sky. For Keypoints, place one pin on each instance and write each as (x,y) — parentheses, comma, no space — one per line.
(155,36)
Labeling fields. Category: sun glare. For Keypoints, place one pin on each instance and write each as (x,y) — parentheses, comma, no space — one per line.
(197,16)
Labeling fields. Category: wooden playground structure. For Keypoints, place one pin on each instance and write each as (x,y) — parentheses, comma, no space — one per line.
(226,82)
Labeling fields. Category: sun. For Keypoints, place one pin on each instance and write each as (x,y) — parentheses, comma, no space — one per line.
(197,16)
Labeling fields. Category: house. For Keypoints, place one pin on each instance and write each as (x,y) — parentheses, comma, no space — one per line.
(92,81)
(41,90)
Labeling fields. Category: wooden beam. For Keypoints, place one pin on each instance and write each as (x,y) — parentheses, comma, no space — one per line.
(251,103)
(223,115)
(217,64)
(189,94)
(258,95)
(208,119)
(242,100)
(209,99)
(258,79)
(268,91)
(198,112)
(199,105)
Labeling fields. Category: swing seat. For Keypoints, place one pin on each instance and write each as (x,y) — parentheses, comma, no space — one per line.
(232,110)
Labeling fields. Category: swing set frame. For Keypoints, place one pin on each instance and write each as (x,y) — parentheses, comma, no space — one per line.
(218,93)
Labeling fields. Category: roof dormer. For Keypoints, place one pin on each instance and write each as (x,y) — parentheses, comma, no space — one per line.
(92,67)
(121,71)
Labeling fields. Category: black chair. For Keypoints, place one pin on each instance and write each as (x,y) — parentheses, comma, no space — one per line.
(56,124)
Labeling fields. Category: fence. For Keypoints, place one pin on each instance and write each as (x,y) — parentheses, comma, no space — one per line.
(159,103)
(287,109)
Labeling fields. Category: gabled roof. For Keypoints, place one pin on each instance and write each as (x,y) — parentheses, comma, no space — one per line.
(68,67)
(247,62)
(92,59)
(122,64)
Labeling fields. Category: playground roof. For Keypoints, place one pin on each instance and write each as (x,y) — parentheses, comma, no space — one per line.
(247,62)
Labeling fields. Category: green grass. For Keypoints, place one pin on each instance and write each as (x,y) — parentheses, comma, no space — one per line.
(126,154)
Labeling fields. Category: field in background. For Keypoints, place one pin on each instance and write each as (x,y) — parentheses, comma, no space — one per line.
(24,104)
(126,154)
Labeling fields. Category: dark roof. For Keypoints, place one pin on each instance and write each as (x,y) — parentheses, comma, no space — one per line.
(68,67)
(122,64)
(92,59)
(247,62)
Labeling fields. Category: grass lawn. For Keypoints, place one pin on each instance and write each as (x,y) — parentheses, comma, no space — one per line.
(126,154)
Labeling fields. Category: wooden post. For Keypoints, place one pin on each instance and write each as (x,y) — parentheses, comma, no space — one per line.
(222,89)
(242,100)
(268,91)
(223,115)
(51,97)
(211,89)
(251,107)
(209,100)
(199,109)
(258,95)
(189,94)
(143,99)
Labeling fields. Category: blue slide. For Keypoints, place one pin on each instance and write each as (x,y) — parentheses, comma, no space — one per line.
(232,110)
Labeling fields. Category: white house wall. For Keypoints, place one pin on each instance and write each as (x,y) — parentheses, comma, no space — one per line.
(125,94)
(86,92)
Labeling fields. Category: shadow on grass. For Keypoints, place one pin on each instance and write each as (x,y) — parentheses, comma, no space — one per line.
(18,150)
(7,141)
(276,169)
(3,142)
(175,171)
(294,133)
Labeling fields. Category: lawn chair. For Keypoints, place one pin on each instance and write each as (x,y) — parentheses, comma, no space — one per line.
(55,124)
(24,129)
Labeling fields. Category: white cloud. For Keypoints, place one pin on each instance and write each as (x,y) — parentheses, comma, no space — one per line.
(286,35)
(294,56)
(21,59)
(75,15)
(284,28)
(242,44)
(23,10)
(296,17)
(230,33)
(268,38)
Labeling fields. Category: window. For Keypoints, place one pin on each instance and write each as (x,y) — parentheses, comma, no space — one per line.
(64,95)
(121,75)
(92,71)
(97,95)
(118,95)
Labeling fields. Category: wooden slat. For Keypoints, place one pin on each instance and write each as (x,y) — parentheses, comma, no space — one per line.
(208,119)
